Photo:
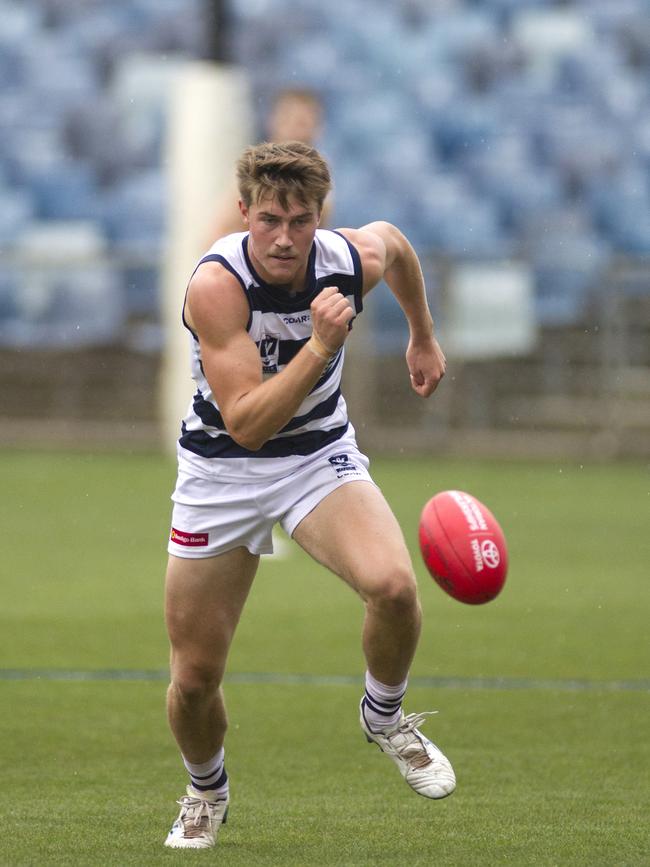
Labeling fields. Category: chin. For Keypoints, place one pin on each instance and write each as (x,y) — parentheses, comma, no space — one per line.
(282,275)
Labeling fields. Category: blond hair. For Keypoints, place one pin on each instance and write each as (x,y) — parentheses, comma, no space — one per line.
(283,170)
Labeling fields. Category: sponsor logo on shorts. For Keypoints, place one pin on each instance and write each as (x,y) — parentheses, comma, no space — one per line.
(189,540)
(344,466)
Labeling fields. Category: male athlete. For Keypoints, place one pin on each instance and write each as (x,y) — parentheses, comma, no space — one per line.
(267,440)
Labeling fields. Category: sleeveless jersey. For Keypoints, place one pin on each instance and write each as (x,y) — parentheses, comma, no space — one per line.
(280,325)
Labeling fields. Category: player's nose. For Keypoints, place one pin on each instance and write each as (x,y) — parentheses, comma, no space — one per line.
(283,238)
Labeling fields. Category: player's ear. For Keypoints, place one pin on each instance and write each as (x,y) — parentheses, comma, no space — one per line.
(244,211)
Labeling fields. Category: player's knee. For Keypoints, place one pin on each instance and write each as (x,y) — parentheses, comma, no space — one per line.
(394,587)
(195,682)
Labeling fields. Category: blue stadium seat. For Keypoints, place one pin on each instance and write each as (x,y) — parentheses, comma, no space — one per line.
(68,192)
(134,212)
(471,123)
(68,293)
(20,22)
(16,212)
(632,234)
(621,201)
(29,151)
(568,269)
(9,279)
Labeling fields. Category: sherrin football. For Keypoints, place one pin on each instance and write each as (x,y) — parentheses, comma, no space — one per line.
(463,547)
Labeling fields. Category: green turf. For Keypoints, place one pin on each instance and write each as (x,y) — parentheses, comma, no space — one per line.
(547,775)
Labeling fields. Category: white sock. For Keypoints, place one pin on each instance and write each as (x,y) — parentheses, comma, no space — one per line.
(382,705)
(209,776)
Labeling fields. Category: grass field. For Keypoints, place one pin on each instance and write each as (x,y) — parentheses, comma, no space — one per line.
(544,694)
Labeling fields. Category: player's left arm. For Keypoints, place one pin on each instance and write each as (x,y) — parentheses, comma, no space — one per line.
(387,254)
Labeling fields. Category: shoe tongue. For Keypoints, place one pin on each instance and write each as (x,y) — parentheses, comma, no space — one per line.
(417,755)
(201,796)
(408,745)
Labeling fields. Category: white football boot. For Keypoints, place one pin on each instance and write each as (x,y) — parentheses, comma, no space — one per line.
(198,822)
(427,771)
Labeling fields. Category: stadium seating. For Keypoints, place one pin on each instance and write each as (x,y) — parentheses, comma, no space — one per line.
(483,129)
(67,293)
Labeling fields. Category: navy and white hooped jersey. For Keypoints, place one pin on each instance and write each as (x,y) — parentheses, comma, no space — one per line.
(280,325)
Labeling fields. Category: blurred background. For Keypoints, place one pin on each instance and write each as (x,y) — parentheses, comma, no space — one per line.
(509,139)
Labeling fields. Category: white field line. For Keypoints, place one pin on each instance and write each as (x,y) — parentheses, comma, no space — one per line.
(288,679)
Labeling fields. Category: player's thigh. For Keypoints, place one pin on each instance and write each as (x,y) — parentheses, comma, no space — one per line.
(354,533)
(204,598)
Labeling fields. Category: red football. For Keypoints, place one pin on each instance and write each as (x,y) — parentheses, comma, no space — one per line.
(463,547)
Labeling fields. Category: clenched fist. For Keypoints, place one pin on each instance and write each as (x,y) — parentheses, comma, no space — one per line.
(331,313)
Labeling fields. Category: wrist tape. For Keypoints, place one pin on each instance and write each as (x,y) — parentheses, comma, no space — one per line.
(316,345)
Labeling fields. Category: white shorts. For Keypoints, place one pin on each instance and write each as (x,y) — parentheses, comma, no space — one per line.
(211,517)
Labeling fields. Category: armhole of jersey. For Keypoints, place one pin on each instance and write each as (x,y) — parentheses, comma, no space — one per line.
(215,257)
(191,330)
(358,272)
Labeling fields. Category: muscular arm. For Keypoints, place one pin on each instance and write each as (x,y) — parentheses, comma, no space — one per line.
(255,409)
(387,254)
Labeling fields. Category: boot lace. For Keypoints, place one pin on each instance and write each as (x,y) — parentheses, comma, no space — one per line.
(407,742)
(196,816)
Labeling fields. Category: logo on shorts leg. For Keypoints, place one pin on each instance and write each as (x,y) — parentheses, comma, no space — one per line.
(344,466)
(189,540)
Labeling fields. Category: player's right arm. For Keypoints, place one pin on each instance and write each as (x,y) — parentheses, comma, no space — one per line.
(254,408)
